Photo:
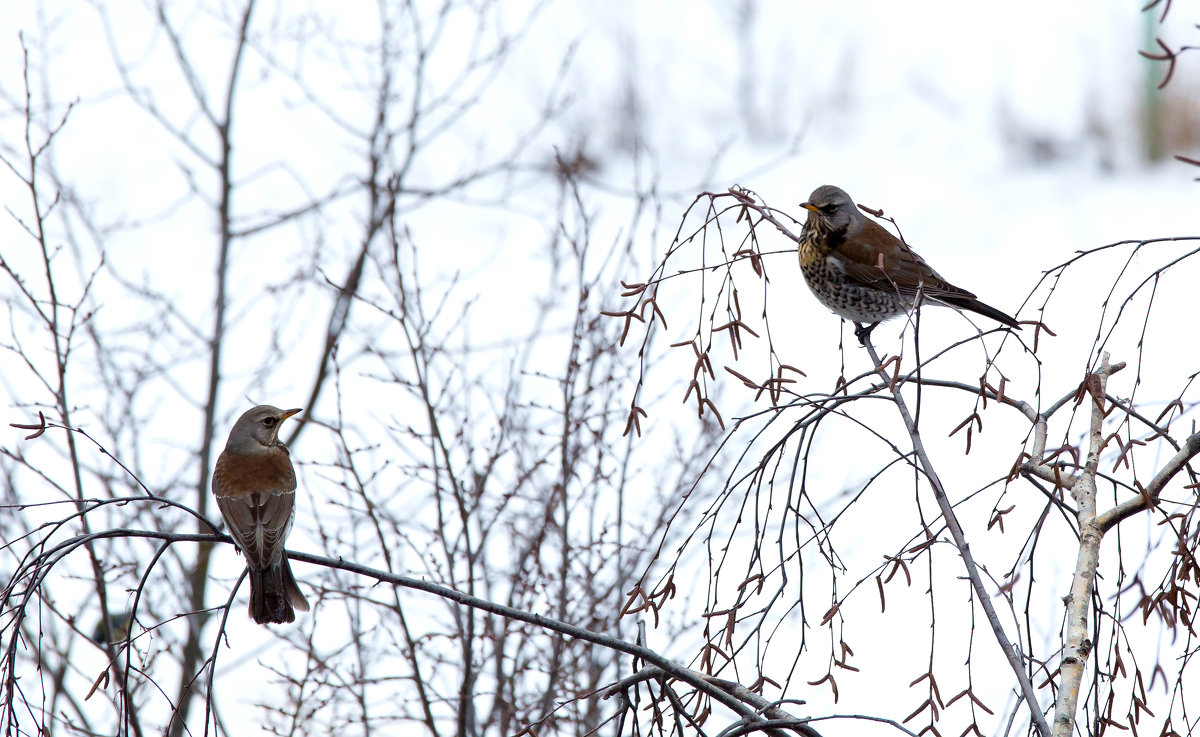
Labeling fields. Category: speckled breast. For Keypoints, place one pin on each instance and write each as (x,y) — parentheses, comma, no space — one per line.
(844,297)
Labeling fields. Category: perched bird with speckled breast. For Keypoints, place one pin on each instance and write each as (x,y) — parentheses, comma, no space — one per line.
(865,274)
(255,486)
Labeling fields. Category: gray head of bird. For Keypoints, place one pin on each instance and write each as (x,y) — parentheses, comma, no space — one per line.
(257,428)
(831,210)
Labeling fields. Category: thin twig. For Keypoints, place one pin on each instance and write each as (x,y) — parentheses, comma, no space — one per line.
(1016,659)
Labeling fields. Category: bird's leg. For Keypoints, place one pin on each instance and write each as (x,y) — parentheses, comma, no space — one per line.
(862,331)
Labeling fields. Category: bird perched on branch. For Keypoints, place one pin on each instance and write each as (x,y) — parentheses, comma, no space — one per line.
(255,486)
(865,274)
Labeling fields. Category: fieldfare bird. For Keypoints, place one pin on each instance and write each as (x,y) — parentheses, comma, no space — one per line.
(255,486)
(865,274)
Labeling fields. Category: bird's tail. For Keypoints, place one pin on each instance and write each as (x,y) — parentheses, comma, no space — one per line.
(976,306)
(273,593)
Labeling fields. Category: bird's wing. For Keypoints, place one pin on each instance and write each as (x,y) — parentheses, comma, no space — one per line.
(902,270)
(259,523)
(257,496)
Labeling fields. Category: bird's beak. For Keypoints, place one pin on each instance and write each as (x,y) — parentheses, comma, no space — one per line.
(809,206)
(289,412)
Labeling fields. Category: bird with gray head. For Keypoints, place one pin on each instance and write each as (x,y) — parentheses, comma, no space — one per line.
(255,486)
(864,274)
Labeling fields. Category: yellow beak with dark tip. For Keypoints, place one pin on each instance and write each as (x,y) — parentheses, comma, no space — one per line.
(289,412)
(809,206)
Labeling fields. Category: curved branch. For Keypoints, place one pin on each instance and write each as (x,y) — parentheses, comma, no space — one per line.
(719,691)
(1133,505)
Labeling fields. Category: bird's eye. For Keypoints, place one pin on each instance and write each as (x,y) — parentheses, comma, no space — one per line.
(269,421)
(829,208)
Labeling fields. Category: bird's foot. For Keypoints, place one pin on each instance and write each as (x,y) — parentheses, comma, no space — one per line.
(862,331)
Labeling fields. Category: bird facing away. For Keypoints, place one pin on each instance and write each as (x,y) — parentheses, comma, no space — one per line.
(865,274)
(255,486)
